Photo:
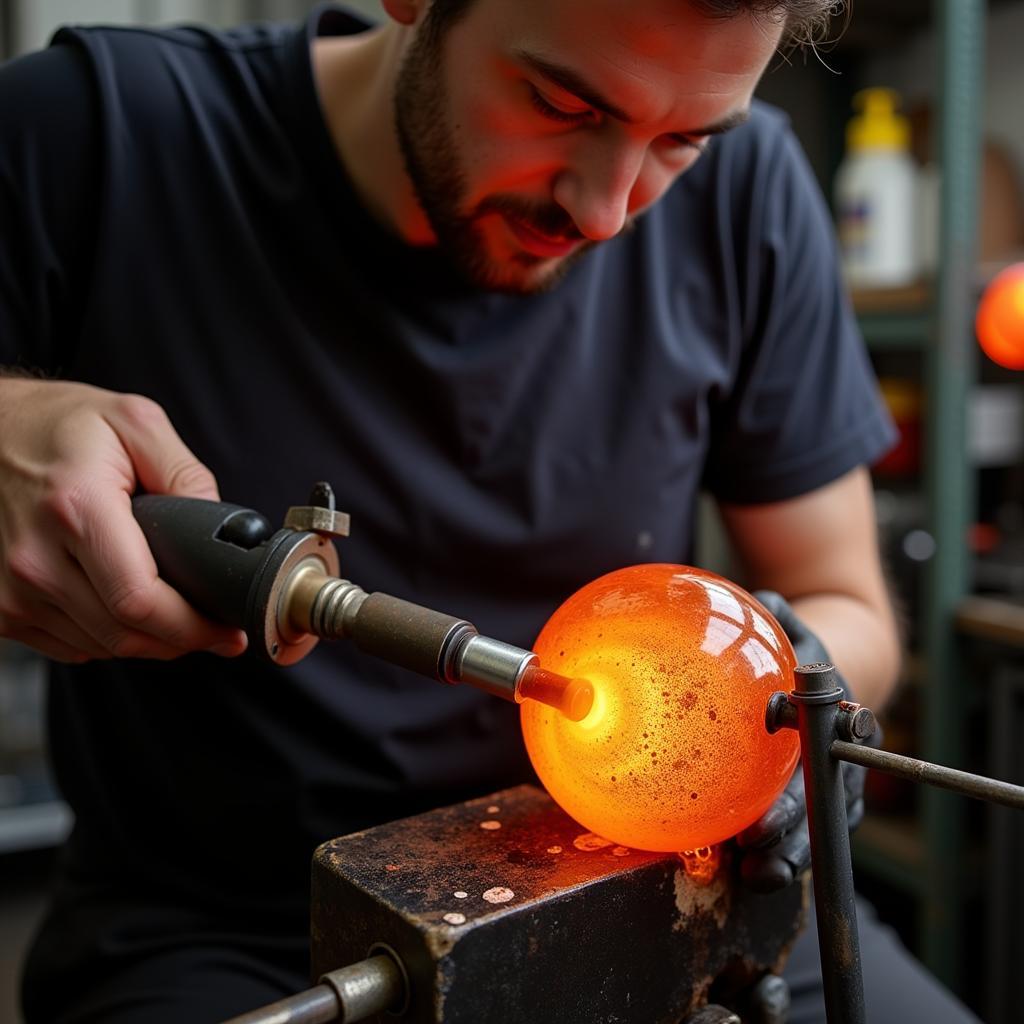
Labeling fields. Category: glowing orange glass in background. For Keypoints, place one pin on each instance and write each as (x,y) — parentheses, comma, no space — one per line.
(1000,319)
(674,754)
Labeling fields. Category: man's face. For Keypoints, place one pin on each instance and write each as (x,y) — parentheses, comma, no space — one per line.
(534,129)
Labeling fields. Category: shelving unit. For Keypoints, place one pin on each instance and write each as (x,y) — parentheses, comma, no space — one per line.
(922,333)
(31,817)
(34,826)
(900,330)
(950,486)
(928,858)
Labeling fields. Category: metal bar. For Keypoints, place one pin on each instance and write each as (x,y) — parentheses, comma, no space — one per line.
(934,774)
(314,1006)
(345,995)
(368,987)
(950,483)
(817,696)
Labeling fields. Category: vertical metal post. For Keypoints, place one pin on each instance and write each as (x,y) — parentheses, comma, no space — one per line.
(6,29)
(1004,886)
(817,696)
(950,372)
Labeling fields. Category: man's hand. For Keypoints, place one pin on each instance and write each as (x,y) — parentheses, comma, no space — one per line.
(77,580)
(777,846)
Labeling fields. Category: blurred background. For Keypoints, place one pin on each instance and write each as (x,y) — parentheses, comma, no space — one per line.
(927,187)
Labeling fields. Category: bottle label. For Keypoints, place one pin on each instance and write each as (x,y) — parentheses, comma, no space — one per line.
(854,230)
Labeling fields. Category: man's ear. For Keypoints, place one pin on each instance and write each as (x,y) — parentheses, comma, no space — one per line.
(405,12)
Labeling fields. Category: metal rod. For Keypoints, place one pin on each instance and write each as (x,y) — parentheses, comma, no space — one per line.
(429,643)
(314,1006)
(817,696)
(368,987)
(935,774)
(346,995)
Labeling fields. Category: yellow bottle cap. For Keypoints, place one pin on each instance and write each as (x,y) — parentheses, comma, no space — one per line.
(878,126)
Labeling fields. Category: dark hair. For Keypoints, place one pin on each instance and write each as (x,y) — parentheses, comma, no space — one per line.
(806,20)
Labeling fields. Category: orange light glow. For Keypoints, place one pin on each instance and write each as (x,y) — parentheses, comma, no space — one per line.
(1000,320)
(674,754)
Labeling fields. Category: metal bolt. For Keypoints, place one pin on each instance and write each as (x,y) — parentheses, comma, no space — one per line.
(322,495)
(863,724)
(780,713)
(769,1001)
(855,723)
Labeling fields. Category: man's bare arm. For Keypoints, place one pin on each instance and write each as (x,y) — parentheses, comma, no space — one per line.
(820,551)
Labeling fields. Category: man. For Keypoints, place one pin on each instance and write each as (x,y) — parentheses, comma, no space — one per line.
(519,276)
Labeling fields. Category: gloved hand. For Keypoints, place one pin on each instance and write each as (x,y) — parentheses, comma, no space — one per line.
(777,848)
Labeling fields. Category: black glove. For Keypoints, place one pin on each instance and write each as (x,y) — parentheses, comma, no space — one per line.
(777,847)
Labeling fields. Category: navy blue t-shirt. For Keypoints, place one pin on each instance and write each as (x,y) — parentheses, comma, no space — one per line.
(175,221)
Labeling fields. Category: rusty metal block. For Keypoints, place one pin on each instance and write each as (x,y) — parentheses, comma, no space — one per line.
(504,910)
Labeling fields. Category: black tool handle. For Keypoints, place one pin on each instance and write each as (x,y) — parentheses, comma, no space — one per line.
(209,551)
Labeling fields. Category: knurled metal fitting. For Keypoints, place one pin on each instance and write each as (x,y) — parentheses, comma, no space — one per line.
(315,519)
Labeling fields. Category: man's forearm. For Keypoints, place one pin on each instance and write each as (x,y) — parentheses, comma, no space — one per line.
(862,640)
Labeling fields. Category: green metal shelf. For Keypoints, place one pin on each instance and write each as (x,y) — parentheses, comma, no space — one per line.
(931,861)
(893,851)
(950,372)
(899,331)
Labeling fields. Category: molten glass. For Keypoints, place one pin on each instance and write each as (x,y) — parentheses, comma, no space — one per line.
(1000,320)
(674,754)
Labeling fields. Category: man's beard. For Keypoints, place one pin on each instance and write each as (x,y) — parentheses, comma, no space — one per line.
(432,163)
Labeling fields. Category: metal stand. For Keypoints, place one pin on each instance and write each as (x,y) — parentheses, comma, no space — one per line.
(817,699)
(829,728)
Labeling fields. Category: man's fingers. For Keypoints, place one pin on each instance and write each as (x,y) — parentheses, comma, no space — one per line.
(855,814)
(47,644)
(118,563)
(109,639)
(65,619)
(163,463)
(776,867)
(780,609)
(61,601)
(55,621)
(785,814)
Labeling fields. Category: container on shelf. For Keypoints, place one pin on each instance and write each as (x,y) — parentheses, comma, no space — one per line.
(876,197)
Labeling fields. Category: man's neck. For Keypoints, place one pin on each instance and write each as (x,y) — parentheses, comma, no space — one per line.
(355,78)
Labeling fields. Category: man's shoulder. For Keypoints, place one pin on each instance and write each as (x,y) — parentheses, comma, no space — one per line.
(745,171)
(149,73)
(168,88)
(738,171)
(766,121)
(127,41)
(755,144)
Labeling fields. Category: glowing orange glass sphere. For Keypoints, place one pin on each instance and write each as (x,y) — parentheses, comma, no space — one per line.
(674,754)
(1000,319)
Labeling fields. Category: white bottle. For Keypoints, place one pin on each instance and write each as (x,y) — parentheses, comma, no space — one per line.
(875,196)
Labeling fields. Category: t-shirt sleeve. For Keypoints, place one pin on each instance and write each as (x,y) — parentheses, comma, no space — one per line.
(805,408)
(48,207)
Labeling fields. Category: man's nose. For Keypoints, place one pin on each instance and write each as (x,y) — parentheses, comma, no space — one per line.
(595,189)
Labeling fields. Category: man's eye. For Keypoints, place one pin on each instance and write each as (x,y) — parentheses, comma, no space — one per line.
(554,113)
(692,143)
